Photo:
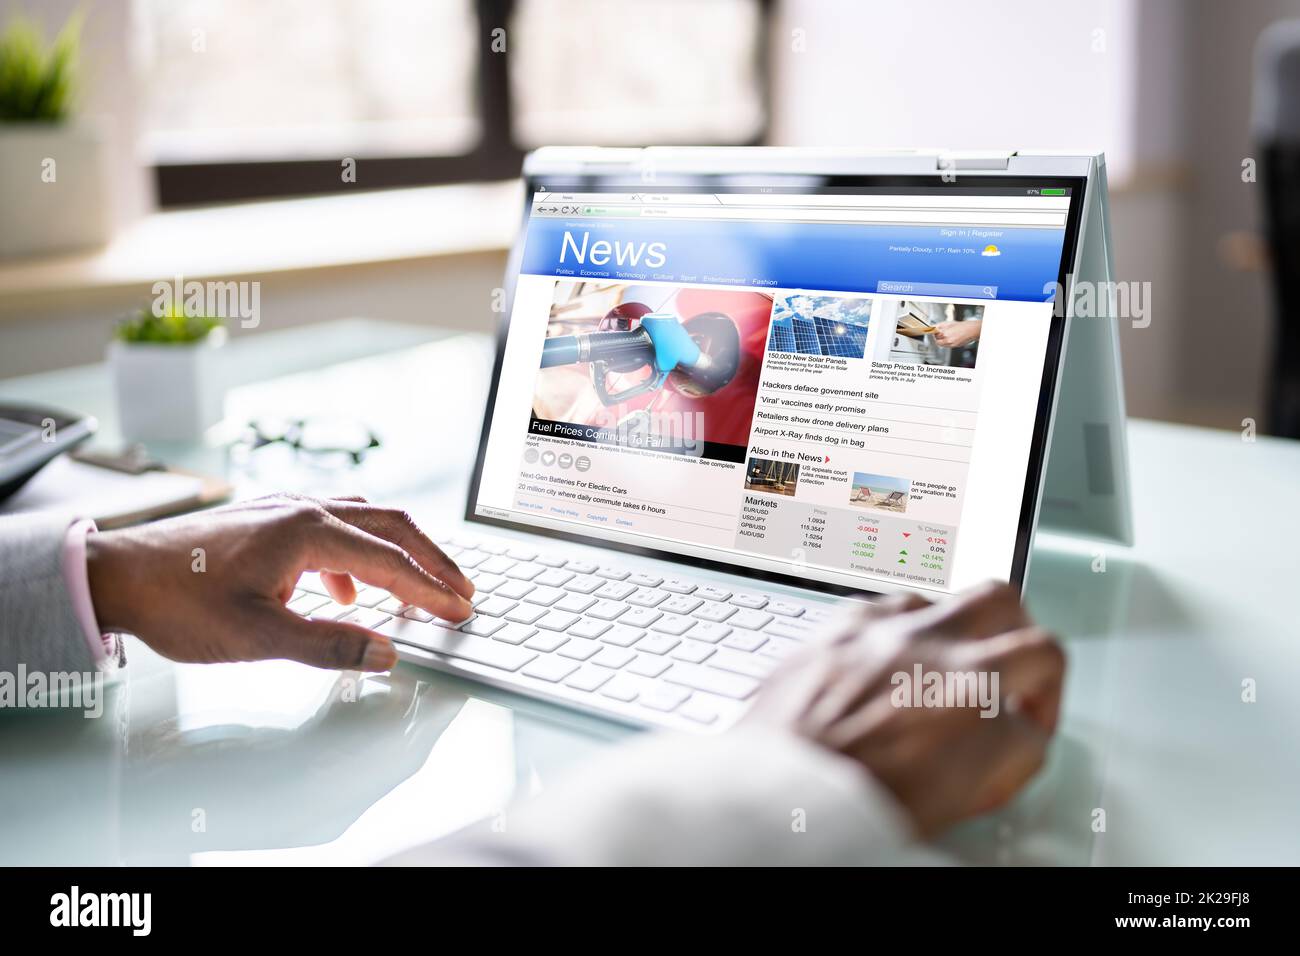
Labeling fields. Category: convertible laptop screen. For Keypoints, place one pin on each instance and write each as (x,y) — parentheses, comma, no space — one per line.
(840,384)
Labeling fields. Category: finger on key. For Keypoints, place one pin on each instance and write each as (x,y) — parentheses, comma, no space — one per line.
(399,528)
(337,546)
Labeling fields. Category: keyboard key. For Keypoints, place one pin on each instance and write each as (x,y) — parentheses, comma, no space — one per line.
(713,594)
(589,628)
(658,644)
(514,633)
(735,686)
(675,624)
(526,614)
(367,617)
(575,603)
(699,712)
(547,641)
(553,578)
(552,560)
(310,581)
(450,643)
(749,619)
(678,586)
(647,665)
(309,602)
(641,617)
(553,669)
(483,626)
(583,584)
(579,649)
(492,547)
(708,631)
(664,698)
(622,636)
(544,596)
(647,597)
(393,605)
(520,553)
(556,621)
(471,558)
(332,611)
(737,662)
(513,590)
(820,615)
(622,688)
(714,611)
(693,652)
(612,573)
(785,608)
(497,565)
(487,582)
(416,614)
(680,604)
(800,630)
(370,596)
(613,657)
(745,599)
(643,580)
(745,641)
(589,678)
(606,610)
(581,567)
(478,598)
(614,590)
(525,572)
(494,606)
(779,648)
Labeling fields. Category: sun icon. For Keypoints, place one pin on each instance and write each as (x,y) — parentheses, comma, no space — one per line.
(991,250)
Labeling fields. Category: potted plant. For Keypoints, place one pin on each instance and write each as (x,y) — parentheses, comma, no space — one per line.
(167,374)
(54,191)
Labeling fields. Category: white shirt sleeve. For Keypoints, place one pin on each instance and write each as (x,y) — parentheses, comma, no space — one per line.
(742,798)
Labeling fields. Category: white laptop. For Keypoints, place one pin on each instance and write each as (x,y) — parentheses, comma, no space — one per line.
(736,391)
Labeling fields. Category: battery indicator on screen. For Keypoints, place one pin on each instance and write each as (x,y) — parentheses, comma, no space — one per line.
(1051,192)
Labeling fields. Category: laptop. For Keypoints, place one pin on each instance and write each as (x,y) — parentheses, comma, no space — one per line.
(738,391)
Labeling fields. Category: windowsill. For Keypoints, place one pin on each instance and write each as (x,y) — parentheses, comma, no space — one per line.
(288,235)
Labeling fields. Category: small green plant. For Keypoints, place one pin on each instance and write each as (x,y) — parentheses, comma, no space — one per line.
(37,79)
(173,327)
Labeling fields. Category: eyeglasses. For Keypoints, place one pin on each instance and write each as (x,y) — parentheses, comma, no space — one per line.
(323,439)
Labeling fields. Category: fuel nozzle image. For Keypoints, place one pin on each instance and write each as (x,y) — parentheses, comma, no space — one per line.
(694,357)
(673,368)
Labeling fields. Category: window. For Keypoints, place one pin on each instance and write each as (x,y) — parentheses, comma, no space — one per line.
(247,99)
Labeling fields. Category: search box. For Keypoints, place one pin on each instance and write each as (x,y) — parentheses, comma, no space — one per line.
(938,288)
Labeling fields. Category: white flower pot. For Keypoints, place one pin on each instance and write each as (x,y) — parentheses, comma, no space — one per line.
(54,191)
(168,392)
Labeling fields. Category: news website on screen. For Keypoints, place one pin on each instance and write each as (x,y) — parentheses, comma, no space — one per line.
(840,385)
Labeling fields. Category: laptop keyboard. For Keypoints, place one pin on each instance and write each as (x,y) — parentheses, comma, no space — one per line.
(627,643)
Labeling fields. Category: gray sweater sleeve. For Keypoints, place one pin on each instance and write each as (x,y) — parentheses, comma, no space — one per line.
(38,626)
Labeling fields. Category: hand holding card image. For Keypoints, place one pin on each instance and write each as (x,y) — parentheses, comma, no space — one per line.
(933,333)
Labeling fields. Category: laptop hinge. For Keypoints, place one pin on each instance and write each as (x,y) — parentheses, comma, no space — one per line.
(989,160)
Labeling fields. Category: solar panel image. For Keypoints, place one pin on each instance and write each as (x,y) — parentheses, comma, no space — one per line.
(819,325)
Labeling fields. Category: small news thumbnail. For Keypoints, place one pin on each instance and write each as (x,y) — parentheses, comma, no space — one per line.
(819,325)
(933,333)
(667,367)
(774,477)
(880,492)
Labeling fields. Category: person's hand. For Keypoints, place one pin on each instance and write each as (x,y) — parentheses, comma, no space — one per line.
(226,601)
(942,763)
(956,334)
